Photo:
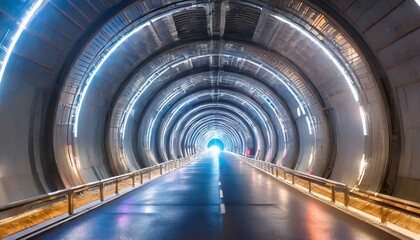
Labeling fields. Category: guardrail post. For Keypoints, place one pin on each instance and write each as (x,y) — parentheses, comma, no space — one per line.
(309,186)
(277,172)
(284,175)
(141,177)
(116,186)
(101,191)
(333,194)
(70,203)
(133,177)
(160,169)
(293,179)
(346,197)
(383,215)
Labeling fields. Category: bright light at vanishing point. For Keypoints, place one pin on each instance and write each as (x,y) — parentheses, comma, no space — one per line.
(215,150)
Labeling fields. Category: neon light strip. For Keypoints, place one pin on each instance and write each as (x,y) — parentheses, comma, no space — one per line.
(309,125)
(22,26)
(364,120)
(102,60)
(334,60)
(362,171)
(311,157)
(325,50)
(171,96)
(155,76)
(132,102)
(292,91)
(95,71)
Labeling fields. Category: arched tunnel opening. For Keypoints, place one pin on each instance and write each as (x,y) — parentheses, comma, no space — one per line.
(216,143)
(96,89)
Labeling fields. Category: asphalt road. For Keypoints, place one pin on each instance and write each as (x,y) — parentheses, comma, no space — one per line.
(215,198)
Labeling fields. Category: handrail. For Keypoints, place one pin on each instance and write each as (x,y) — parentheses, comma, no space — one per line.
(389,202)
(333,185)
(316,178)
(391,198)
(297,173)
(19,203)
(382,200)
(69,192)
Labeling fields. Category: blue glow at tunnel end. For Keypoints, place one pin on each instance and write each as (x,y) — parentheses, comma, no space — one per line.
(215,150)
(215,146)
(215,142)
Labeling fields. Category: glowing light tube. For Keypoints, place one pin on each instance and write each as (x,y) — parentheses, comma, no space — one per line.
(325,50)
(22,26)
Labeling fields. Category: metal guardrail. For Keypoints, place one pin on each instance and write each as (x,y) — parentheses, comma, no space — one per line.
(385,202)
(30,204)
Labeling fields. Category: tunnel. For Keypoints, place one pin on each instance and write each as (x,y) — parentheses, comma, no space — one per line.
(90,90)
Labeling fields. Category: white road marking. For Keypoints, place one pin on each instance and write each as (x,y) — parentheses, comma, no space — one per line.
(221,194)
(222,208)
(220,183)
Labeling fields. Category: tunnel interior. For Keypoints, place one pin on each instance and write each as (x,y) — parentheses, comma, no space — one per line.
(95,89)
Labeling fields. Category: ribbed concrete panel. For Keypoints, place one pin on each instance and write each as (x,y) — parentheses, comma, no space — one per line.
(50,36)
(20,170)
(400,51)
(409,167)
(394,26)
(45,77)
(375,13)
(40,52)
(357,8)
(61,24)
(72,13)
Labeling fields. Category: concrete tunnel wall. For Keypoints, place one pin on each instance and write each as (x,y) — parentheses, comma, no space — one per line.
(79,86)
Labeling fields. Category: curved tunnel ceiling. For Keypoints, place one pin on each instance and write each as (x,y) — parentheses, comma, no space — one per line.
(149,81)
